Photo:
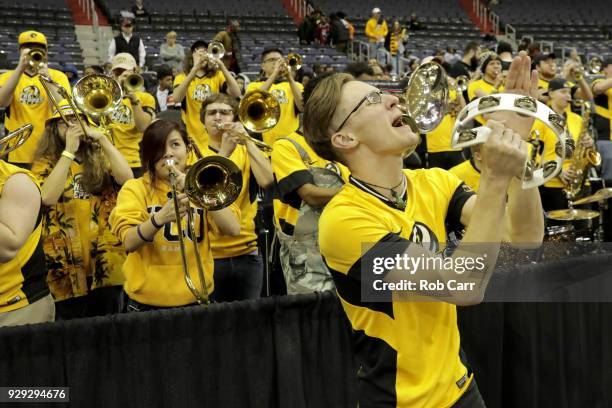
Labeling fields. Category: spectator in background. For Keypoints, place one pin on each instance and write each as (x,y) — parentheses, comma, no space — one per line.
(163,91)
(93,69)
(140,12)
(396,39)
(108,66)
(72,73)
(533,49)
(307,28)
(451,56)
(322,35)
(414,23)
(231,42)
(347,24)
(128,42)
(504,50)
(339,33)
(469,63)
(171,53)
(376,30)
(360,70)
(243,82)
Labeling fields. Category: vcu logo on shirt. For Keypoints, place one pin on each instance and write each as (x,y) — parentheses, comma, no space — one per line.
(425,237)
(280,95)
(123,115)
(31,96)
(202,92)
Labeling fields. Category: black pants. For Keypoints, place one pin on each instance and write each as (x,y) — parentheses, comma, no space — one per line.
(444,160)
(98,302)
(553,198)
(238,278)
(471,398)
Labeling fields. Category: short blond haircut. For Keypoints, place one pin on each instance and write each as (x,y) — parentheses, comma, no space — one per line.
(171,34)
(319,111)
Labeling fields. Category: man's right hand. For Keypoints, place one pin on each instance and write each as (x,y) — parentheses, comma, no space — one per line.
(24,59)
(279,68)
(504,154)
(199,60)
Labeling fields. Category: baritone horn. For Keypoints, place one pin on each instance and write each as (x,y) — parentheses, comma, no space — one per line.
(212,183)
(15,139)
(215,50)
(97,96)
(294,61)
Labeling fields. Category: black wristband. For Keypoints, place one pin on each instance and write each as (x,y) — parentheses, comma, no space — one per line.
(155,224)
(140,234)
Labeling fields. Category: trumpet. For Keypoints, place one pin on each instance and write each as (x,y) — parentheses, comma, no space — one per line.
(294,62)
(15,139)
(212,183)
(595,65)
(38,58)
(215,50)
(260,145)
(133,83)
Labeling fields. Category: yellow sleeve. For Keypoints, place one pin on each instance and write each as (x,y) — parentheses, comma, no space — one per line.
(178,80)
(211,222)
(130,210)
(472,91)
(219,80)
(385,29)
(369,28)
(61,79)
(253,86)
(4,77)
(290,171)
(147,100)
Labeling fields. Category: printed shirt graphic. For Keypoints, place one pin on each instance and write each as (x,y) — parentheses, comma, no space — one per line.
(408,351)
(81,252)
(126,136)
(30,104)
(199,89)
(154,273)
(288,121)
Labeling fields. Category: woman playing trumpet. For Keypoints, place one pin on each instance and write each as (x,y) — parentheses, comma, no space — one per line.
(145,222)
(80,174)
(238,264)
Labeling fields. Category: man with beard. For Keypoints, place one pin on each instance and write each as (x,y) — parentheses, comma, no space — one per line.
(546,66)
(468,65)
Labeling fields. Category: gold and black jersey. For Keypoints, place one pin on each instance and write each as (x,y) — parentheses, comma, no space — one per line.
(224,246)
(291,173)
(439,139)
(468,173)
(408,351)
(603,113)
(23,280)
(484,86)
(30,104)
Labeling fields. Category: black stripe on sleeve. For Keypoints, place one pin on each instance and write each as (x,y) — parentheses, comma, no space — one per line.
(294,181)
(453,216)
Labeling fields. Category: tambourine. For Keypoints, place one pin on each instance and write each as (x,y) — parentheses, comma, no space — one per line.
(463,136)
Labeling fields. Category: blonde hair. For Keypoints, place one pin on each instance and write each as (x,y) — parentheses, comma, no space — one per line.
(171,34)
(319,111)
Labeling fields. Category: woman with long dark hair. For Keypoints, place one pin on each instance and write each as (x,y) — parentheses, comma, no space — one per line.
(80,175)
(145,222)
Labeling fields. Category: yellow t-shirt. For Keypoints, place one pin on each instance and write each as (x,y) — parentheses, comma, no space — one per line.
(548,138)
(224,246)
(468,173)
(125,134)
(439,139)
(375,29)
(603,110)
(30,104)
(408,351)
(154,273)
(200,89)
(291,173)
(289,120)
(542,84)
(23,278)
(485,86)
(82,254)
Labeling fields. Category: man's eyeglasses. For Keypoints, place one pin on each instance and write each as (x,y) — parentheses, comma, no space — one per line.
(224,112)
(371,98)
(272,60)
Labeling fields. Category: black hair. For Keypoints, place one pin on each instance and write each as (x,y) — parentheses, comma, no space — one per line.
(270,50)
(163,71)
(359,68)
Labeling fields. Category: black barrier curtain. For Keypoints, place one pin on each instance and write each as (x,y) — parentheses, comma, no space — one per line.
(275,352)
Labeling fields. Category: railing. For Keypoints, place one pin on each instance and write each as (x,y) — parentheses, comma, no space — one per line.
(546,47)
(300,8)
(487,19)
(360,55)
(510,32)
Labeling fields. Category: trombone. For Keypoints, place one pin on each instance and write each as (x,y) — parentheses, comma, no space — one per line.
(15,139)
(212,183)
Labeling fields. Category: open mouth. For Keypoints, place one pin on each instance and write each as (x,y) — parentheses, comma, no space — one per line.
(398,122)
